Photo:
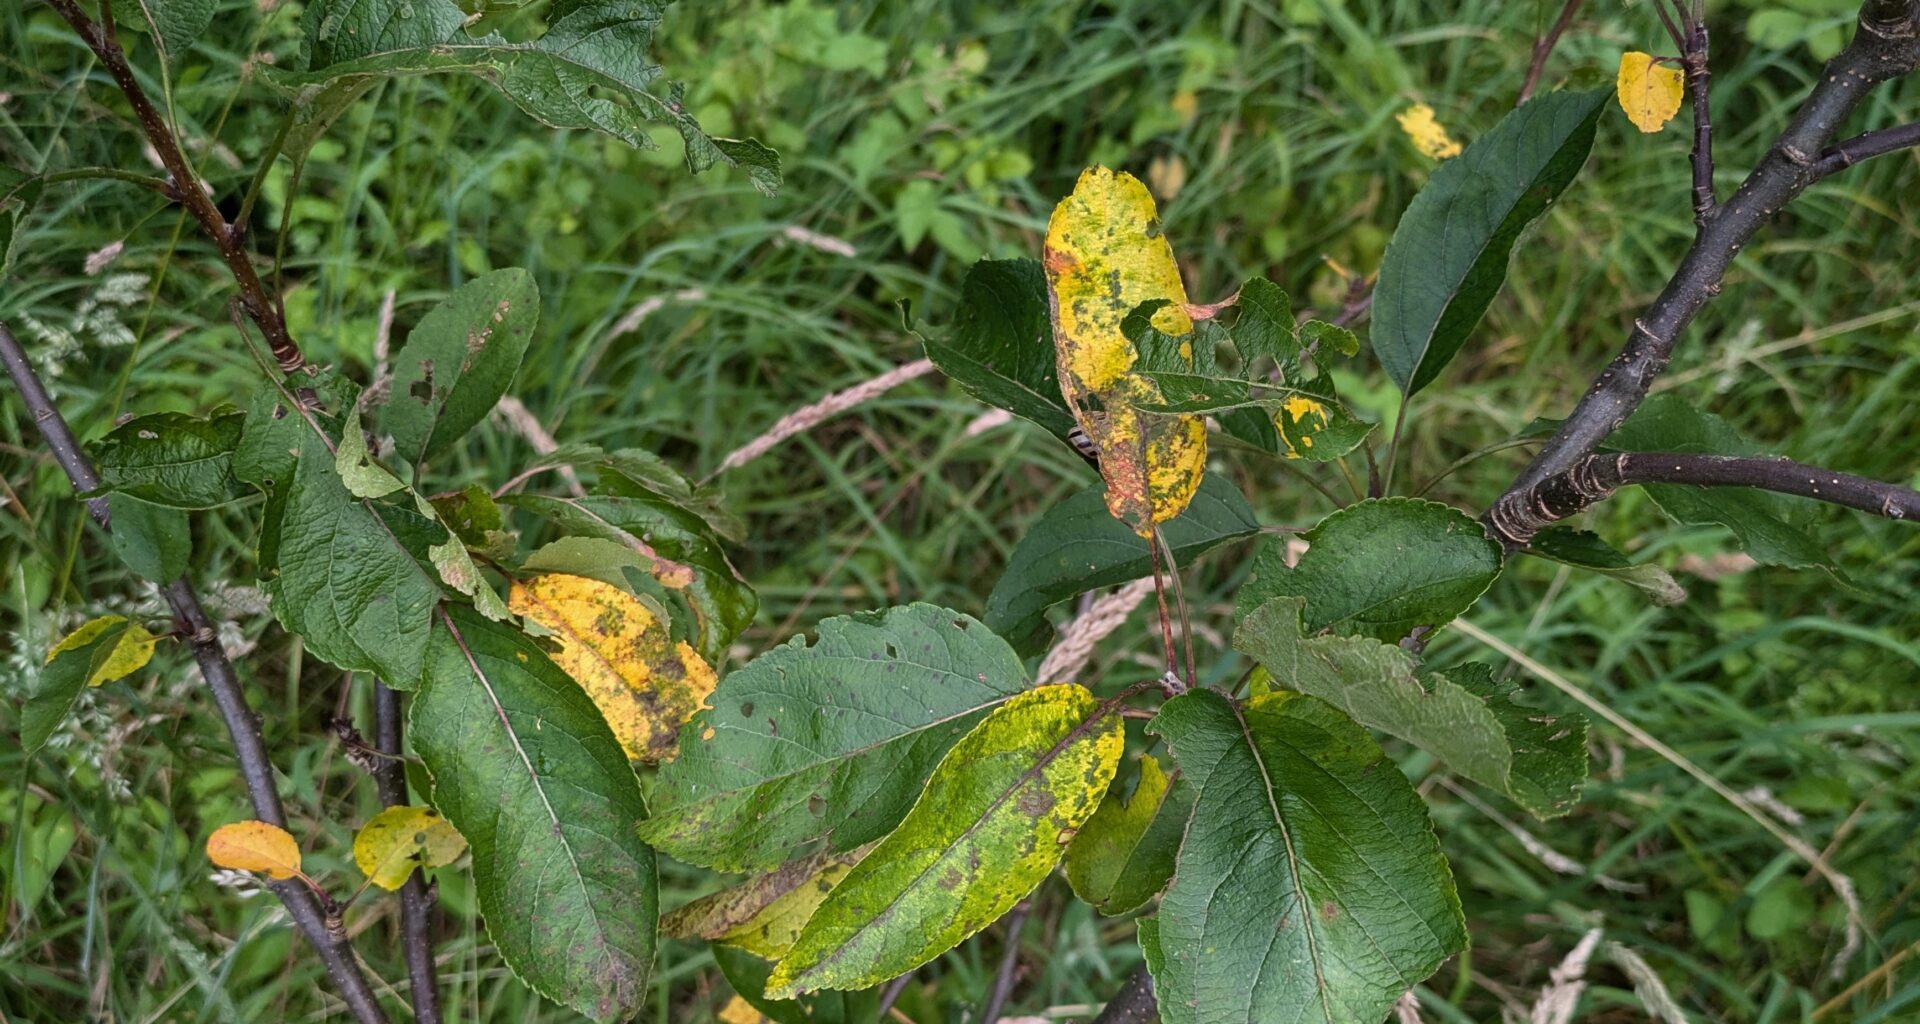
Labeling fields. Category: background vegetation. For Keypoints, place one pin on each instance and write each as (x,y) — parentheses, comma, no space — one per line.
(686,315)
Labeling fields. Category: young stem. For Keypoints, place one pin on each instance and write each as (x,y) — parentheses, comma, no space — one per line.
(1543,48)
(416,899)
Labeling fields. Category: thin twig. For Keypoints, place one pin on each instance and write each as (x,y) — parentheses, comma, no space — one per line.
(416,898)
(891,994)
(319,924)
(1846,153)
(1693,58)
(1543,48)
(1016,920)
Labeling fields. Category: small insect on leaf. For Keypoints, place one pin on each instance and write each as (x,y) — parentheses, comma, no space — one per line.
(388,847)
(1649,92)
(129,654)
(255,846)
(1428,134)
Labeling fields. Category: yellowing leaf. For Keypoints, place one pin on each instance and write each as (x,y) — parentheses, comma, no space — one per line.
(1298,420)
(255,846)
(645,684)
(763,915)
(1649,92)
(388,847)
(130,653)
(1428,134)
(739,1011)
(1152,463)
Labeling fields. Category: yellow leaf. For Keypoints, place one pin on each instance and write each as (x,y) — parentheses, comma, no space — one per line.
(763,915)
(1152,463)
(1428,135)
(130,653)
(255,846)
(1298,419)
(388,847)
(645,684)
(739,1011)
(1649,92)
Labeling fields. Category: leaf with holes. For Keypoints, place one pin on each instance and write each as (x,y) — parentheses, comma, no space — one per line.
(172,459)
(991,825)
(458,361)
(397,840)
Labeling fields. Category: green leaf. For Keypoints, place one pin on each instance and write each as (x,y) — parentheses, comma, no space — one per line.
(1310,886)
(1383,568)
(172,459)
(458,361)
(1448,257)
(100,651)
(154,541)
(1123,856)
(276,430)
(342,575)
(1587,551)
(1001,347)
(1765,524)
(1462,716)
(590,69)
(18,194)
(831,740)
(1078,546)
(748,976)
(177,24)
(990,826)
(359,473)
(525,768)
(638,473)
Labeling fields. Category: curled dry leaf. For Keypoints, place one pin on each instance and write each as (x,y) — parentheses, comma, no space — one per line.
(1649,91)
(645,683)
(255,846)
(388,847)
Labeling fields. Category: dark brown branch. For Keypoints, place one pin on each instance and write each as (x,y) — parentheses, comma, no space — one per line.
(260,306)
(1693,59)
(1886,45)
(416,898)
(1543,48)
(319,924)
(1887,140)
(1015,921)
(1133,1004)
(1517,517)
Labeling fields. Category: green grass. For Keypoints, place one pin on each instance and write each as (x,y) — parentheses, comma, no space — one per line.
(1799,682)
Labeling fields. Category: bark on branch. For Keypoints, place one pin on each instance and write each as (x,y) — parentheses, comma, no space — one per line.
(416,898)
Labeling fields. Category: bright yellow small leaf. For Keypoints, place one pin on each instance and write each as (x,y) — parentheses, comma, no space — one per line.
(1649,92)
(1428,134)
(645,684)
(130,653)
(388,847)
(255,846)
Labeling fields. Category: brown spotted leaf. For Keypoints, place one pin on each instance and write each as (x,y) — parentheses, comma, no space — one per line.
(764,914)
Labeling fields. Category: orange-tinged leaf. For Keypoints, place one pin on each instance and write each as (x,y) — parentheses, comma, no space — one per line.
(1649,92)
(1152,463)
(255,846)
(388,847)
(645,683)
(1428,134)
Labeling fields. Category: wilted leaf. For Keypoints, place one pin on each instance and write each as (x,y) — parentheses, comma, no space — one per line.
(1448,257)
(398,839)
(1124,854)
(831,740)
(172,459)
(1649,91)
(525,768)
(100,651)
(992,823)
(1309,886)
(255,846)
(459,360)
(1587,551)
(764,914)
(999,348)
(645,684)
(1462,716)
(1429,136)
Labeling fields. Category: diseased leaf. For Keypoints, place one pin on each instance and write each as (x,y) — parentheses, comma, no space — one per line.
(1310,886)
(1077,546)
(1448,257)
(999,349)
(1649,92)
(172,459)
(1587,551)
(359,473)
(276,430)
(525,768)
(645,685)
(459,360)
(830,740)
(992,823)
(748,976)
(100,651)
(1385,568)
(255,846)
(1153,463)
(1428,135)
(764,914)
(638,473)
(397,840)
(154,541)
(1123,856)
(1461,715)
(590,69)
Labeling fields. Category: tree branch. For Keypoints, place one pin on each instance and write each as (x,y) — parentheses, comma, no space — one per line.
(1887,140)
(1517,517)
(320,925)
(416,899)
(1134,1003)
(1886,45)
(1543,48)
(1015,921)
(1694,59)
(260,306)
